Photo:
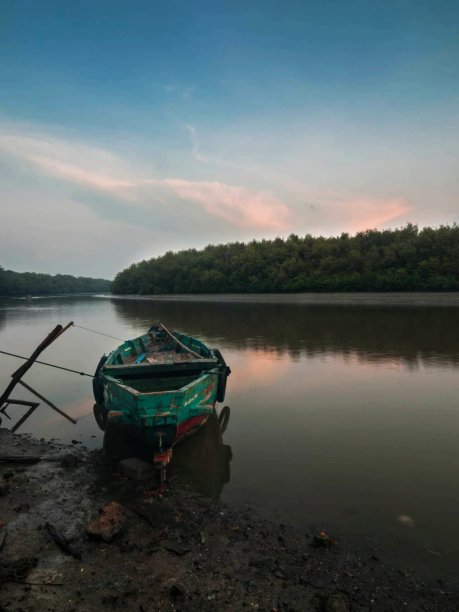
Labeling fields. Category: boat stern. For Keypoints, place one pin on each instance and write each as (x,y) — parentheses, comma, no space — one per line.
(160,419)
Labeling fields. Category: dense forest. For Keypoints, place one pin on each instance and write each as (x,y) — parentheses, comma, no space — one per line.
(405,259)
(30,283)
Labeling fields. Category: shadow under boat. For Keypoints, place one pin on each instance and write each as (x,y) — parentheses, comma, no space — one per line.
(202,460)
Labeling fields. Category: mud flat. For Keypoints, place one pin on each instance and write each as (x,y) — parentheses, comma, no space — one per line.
(170,551)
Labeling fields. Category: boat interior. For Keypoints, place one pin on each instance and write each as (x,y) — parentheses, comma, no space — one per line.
(177,364)
(156,346)
(157,384)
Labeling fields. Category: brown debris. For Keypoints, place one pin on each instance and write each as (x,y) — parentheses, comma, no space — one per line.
(323,540)
(109,522)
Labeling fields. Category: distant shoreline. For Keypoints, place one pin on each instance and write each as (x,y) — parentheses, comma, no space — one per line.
(356,298)
(341,298)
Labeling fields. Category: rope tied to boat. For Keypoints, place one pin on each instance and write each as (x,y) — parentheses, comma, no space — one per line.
(50,365)
(58,367)
(97,332)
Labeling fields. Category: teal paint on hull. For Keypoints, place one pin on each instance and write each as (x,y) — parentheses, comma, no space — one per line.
(131,407)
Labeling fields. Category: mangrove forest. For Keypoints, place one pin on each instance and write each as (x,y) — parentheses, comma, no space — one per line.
(405,259)
(16,284)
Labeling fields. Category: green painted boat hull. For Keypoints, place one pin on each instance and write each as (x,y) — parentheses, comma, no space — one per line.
(159,403)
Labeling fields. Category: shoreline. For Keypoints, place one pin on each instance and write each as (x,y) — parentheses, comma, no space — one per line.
(177,550)
(343,298)
(362,298)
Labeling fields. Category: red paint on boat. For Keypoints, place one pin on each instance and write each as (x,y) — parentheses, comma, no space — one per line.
(187,426)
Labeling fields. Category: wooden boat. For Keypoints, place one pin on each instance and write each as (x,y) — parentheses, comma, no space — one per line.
(159,388)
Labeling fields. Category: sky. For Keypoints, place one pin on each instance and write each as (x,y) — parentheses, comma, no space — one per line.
(128,129)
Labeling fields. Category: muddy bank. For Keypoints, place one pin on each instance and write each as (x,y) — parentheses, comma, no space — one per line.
(176,550)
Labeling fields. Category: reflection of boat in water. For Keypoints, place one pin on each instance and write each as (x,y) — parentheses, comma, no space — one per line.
(158,388)
(203,460)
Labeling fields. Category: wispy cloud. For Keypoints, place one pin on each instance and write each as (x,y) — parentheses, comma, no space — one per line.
(88,166)
(194,140)
(67,159)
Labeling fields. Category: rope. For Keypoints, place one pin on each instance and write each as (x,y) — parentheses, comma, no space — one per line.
(97,332)
(51,365)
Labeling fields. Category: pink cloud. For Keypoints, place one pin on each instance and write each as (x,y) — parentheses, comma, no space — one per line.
(373,213)
(334,213)
(236,205)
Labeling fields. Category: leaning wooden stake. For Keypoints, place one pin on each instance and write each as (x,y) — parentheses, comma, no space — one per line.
(50,404)
(19,373)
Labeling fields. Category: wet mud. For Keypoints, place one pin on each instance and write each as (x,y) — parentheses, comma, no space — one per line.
(77,533)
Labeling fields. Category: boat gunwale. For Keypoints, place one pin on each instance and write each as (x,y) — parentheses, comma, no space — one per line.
(158,393)
(204,360)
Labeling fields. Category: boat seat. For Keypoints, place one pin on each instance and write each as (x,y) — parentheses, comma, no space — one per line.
(168,348)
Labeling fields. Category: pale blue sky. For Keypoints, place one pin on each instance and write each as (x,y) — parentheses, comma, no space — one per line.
(131,128)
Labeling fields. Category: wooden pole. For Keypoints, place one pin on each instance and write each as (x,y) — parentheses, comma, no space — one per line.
(50,404)
(171,335)
(33,405)
(16,376)
(40,348)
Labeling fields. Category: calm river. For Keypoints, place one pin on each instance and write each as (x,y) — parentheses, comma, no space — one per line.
(344,416)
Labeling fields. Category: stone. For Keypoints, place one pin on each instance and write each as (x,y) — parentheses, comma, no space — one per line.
(337,602)
(69,461)
(16,569)
(267,563)
(176,591)
(177,547)
(4,488)
(135,468)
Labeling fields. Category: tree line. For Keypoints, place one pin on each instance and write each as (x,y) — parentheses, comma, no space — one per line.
(404,259)
(30,283)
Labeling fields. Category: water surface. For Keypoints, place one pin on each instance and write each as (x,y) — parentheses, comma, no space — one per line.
(344,415)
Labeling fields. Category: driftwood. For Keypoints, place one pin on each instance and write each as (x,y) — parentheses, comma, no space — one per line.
(19,459)
(66,460)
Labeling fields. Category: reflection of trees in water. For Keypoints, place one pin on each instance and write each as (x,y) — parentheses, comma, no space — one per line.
(20,311)
(421,334)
